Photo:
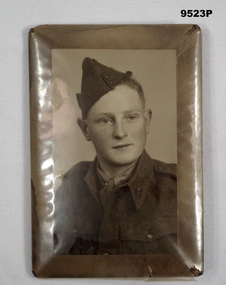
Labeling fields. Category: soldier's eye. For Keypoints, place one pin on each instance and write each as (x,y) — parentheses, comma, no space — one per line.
(132,117)
(106,120)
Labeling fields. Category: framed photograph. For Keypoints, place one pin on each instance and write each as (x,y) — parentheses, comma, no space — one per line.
(116,151)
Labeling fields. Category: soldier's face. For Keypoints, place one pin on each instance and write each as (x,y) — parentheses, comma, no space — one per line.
(117,124)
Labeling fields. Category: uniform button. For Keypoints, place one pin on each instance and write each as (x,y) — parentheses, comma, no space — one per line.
(106,76)
(150,236)
(111,82)
(129,73)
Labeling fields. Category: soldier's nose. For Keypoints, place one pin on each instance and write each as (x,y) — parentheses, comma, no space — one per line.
(119,130)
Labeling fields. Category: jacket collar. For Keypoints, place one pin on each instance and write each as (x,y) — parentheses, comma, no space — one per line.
(143,180)
(91,179)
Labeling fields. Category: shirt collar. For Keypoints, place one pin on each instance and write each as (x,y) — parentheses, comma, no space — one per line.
(120,179)
(140,183)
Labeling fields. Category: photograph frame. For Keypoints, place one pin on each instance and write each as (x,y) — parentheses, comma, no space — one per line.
(186,41)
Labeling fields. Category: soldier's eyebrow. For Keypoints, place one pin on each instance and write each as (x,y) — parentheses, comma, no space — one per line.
(114,114)
(134,111)
(104,115)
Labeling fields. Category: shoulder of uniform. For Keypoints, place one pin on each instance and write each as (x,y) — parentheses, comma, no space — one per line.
(165,168)
(81,167)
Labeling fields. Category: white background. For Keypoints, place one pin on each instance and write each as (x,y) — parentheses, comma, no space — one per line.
(17,17)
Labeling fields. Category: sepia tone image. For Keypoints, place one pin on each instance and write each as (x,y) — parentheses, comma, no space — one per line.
(115,151)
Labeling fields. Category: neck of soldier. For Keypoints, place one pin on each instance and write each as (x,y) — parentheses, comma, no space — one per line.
(114,170)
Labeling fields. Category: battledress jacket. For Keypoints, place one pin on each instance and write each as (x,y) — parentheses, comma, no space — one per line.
(137,217)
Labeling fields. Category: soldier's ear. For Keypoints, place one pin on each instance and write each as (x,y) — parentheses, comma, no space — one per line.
(148,116)
(84,128)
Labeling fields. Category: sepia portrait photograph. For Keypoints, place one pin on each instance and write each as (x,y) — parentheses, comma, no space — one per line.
(115,151)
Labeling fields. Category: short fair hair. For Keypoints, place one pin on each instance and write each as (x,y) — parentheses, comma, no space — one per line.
(134,84)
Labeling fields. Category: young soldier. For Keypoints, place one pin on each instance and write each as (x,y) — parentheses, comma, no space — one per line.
(123,202)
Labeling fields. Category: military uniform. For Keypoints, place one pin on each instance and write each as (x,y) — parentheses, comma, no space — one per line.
(138,216)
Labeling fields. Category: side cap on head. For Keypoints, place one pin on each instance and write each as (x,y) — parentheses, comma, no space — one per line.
(97,80)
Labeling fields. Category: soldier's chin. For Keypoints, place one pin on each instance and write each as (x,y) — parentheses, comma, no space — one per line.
(123,161)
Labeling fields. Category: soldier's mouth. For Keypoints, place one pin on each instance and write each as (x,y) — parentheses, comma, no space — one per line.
(121,146)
